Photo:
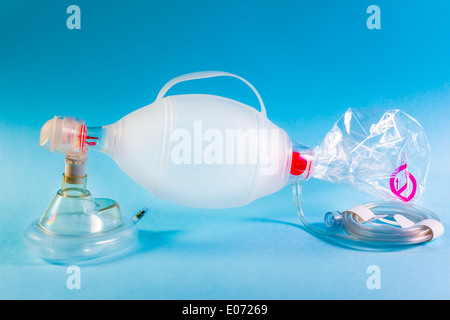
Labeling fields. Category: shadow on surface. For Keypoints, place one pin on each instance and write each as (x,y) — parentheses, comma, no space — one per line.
(342,243)
(151,240)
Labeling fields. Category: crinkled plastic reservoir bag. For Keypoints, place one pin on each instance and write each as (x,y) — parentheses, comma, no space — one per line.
(383,153)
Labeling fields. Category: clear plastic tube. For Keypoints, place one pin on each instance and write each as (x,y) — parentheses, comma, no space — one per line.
(382,232)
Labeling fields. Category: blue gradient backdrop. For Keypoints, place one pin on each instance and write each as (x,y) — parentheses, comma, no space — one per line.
(310,60)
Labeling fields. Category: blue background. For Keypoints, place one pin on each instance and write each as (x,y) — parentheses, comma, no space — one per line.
(310,60)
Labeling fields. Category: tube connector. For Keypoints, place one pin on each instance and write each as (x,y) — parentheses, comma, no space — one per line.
(302,162)
(75,169)
(333,219)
